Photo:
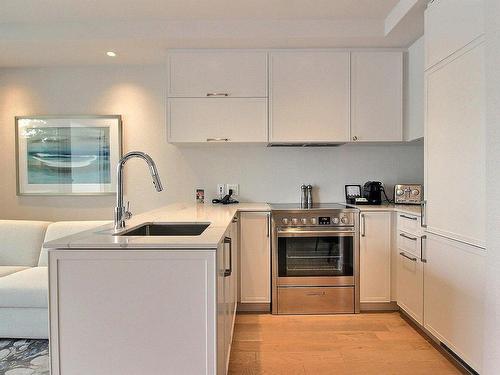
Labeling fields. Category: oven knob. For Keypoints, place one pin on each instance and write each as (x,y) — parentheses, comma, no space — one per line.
(344,220)
(295,221)
(303,220)
(284,221)
(415,192)
(335,220)
(313,221)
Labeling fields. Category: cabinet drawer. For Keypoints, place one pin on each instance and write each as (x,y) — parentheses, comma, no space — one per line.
(409,243)
(218,73)
(305,300)
(409,223)
(212,119)
(410,285)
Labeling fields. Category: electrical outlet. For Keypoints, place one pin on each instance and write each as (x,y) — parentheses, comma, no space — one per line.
(221,190)
(234,187)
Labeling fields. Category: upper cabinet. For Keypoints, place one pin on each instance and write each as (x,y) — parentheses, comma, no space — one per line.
(377,96)
(414,94)
(309,96)
(224,73)
(449,26)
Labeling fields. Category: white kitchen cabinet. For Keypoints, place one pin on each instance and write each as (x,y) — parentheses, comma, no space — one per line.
(255,253)
(414,98)
(309,96)
(376,96)
(454,296)
(195,120)
(375,257)
(455,139)
(449,26)
(222,73)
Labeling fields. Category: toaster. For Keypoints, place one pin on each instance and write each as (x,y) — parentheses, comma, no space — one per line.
(408,194)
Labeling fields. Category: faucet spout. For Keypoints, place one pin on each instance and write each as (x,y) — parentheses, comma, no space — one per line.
(120,210)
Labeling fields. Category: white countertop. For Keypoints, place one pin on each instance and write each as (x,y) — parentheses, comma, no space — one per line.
(219,217)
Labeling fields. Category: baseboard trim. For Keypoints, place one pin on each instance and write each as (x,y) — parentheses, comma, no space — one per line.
(454,359)
(378,306)
(254,307)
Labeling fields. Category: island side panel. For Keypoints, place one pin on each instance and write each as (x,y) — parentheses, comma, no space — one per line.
(132,312)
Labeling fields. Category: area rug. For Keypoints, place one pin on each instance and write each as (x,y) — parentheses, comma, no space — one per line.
(24,357)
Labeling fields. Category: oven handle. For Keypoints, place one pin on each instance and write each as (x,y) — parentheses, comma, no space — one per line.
(316,233)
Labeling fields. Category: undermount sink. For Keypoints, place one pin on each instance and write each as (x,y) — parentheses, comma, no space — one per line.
(166,229)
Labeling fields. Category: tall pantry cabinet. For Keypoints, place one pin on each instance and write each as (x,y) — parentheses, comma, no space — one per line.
(454,213)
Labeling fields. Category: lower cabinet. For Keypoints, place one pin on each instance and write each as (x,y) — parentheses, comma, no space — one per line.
(454,296)
(226,296)
(255,251)
(375,257)
(411,285)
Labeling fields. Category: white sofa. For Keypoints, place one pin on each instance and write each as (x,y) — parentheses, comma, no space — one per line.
(24,274)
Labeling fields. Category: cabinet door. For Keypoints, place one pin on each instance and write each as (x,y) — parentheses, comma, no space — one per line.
(410,283)
(451,25)
(214,119)
(255,274)
(221,310)
(230,74)
(414,113)
(454,296)
(309,94)
(375,257)
(455,139)
(377,96)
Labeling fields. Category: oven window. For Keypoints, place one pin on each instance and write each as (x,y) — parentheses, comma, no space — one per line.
(315,256)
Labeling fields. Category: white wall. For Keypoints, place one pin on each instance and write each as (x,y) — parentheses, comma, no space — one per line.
(492,311)
(138,93)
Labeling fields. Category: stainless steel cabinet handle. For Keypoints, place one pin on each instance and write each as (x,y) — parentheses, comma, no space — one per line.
(422,242)
(218,139)
(217,94)
(408,217)
(363,225)
(228,272)
(408,237)
(407,257)
(423,216)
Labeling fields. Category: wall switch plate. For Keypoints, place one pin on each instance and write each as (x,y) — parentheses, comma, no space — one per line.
(221,190)
(234,187)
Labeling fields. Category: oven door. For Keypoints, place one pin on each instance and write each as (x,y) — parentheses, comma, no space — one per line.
(315,257)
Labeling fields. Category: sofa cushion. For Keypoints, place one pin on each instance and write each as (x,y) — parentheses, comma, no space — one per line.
(27,288)
(7,270)
(20,242)
(63,229)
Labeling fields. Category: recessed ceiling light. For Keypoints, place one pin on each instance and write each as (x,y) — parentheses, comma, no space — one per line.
(111,54)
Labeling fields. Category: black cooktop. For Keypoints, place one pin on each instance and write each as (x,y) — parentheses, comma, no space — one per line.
(319,206)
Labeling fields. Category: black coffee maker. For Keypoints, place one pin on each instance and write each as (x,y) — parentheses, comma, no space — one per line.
(372,191)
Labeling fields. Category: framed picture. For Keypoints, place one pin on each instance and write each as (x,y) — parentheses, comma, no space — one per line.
(67,155)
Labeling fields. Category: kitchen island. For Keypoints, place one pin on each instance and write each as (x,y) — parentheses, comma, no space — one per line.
(146,304)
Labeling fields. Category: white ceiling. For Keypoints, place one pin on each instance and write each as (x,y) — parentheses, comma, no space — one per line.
(69,32)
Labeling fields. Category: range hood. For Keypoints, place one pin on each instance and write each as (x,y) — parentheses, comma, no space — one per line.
(305,144)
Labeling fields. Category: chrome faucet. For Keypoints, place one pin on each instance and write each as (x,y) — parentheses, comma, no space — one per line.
(122,213)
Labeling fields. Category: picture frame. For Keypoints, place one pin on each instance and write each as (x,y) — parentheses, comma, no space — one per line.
(67,155)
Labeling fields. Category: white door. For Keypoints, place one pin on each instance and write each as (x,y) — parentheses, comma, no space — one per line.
(309,96)
(255,273)
(375,257)
(222,73)
(451,25)
(376,96)
(453,296)
(193,120)
(410,282)
(455,184)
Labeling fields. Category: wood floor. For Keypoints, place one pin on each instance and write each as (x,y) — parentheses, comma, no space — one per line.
(361,344)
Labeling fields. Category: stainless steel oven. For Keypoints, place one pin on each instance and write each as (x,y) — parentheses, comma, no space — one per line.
(315,260)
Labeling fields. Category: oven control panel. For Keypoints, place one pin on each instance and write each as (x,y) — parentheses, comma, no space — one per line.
(314,219)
